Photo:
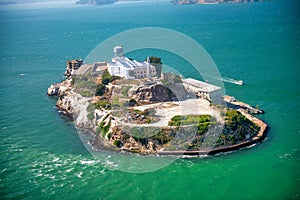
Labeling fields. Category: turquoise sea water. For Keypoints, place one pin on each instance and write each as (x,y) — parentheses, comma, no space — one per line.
(42,156)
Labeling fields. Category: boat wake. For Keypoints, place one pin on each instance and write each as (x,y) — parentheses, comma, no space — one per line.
(233,81)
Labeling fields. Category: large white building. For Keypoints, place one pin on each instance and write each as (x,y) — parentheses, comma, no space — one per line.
(203,90)
(128,68)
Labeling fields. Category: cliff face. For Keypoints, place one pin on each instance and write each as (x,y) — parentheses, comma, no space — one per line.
(187,2)
(155,93)
(159,93)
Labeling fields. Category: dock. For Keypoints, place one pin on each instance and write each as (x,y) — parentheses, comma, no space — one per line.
(231,102)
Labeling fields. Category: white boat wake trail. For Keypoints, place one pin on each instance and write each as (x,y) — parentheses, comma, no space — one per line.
(233,81)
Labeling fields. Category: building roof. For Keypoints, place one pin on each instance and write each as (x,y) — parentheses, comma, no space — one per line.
(205,87)
(82,70)
(126,62)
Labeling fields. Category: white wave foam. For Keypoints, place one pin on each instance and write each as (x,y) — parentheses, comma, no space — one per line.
(87,162)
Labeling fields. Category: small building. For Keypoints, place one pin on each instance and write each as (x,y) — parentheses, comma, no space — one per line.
(129,68)
(72,65)
(229,98)
(203,90)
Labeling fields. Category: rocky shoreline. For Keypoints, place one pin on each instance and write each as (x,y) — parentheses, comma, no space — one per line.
(139,116)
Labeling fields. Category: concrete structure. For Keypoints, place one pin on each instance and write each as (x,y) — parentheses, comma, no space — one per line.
(128,68)
(72,65)
(98,68)
(203,90)
(83,69)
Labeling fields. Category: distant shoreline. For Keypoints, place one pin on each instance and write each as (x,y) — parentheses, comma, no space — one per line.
(189,2)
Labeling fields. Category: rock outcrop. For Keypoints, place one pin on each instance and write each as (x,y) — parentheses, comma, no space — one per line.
(159,93)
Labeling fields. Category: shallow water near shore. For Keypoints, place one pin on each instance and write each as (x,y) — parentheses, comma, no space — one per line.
(42,155)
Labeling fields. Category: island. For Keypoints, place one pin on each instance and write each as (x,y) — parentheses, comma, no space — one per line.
(96,2)
(179,2)
(187,2)
(132,106)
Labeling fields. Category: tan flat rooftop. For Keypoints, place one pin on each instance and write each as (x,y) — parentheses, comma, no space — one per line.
(206,87)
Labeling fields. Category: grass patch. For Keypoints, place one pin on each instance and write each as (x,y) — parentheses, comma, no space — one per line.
(125,90)
(189,119)
(116,102)
(90,115)
(85,93)
(103,103)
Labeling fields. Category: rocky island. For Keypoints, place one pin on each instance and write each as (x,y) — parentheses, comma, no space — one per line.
(187,2)
(132,106)
(179,2)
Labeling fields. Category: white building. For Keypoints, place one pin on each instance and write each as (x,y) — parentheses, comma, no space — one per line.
(203,90)
(130,69)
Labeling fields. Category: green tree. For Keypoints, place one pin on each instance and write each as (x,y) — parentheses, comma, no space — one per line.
(100,90)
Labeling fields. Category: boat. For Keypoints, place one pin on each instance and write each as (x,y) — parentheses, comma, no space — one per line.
(240,82)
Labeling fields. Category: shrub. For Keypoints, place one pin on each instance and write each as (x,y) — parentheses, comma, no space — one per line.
(132,102)
(105,81)
(125,90)
(113,78)
(117,143)
(85,93)
(100,90)
(98,130)
(90,116)
(102,103)
(91,107)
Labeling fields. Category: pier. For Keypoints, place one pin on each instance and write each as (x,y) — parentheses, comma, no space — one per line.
(231,102)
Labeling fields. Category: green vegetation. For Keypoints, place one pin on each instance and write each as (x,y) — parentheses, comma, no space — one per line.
(235,118)
(103,129)
(90,116)
(103,103)
(170,78)
(85,93)
(90,108)
(200,122)
(237,128)
(132,102)
(144,132)
(107,78)
(154,59)
(161,135)
(163,138)
(125,90)
(106,128)
(117,143)
(189,119)
(84,82)
(100,90)
(98,130)
(116,103)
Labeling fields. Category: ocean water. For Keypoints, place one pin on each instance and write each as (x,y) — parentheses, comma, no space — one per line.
(41,153)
